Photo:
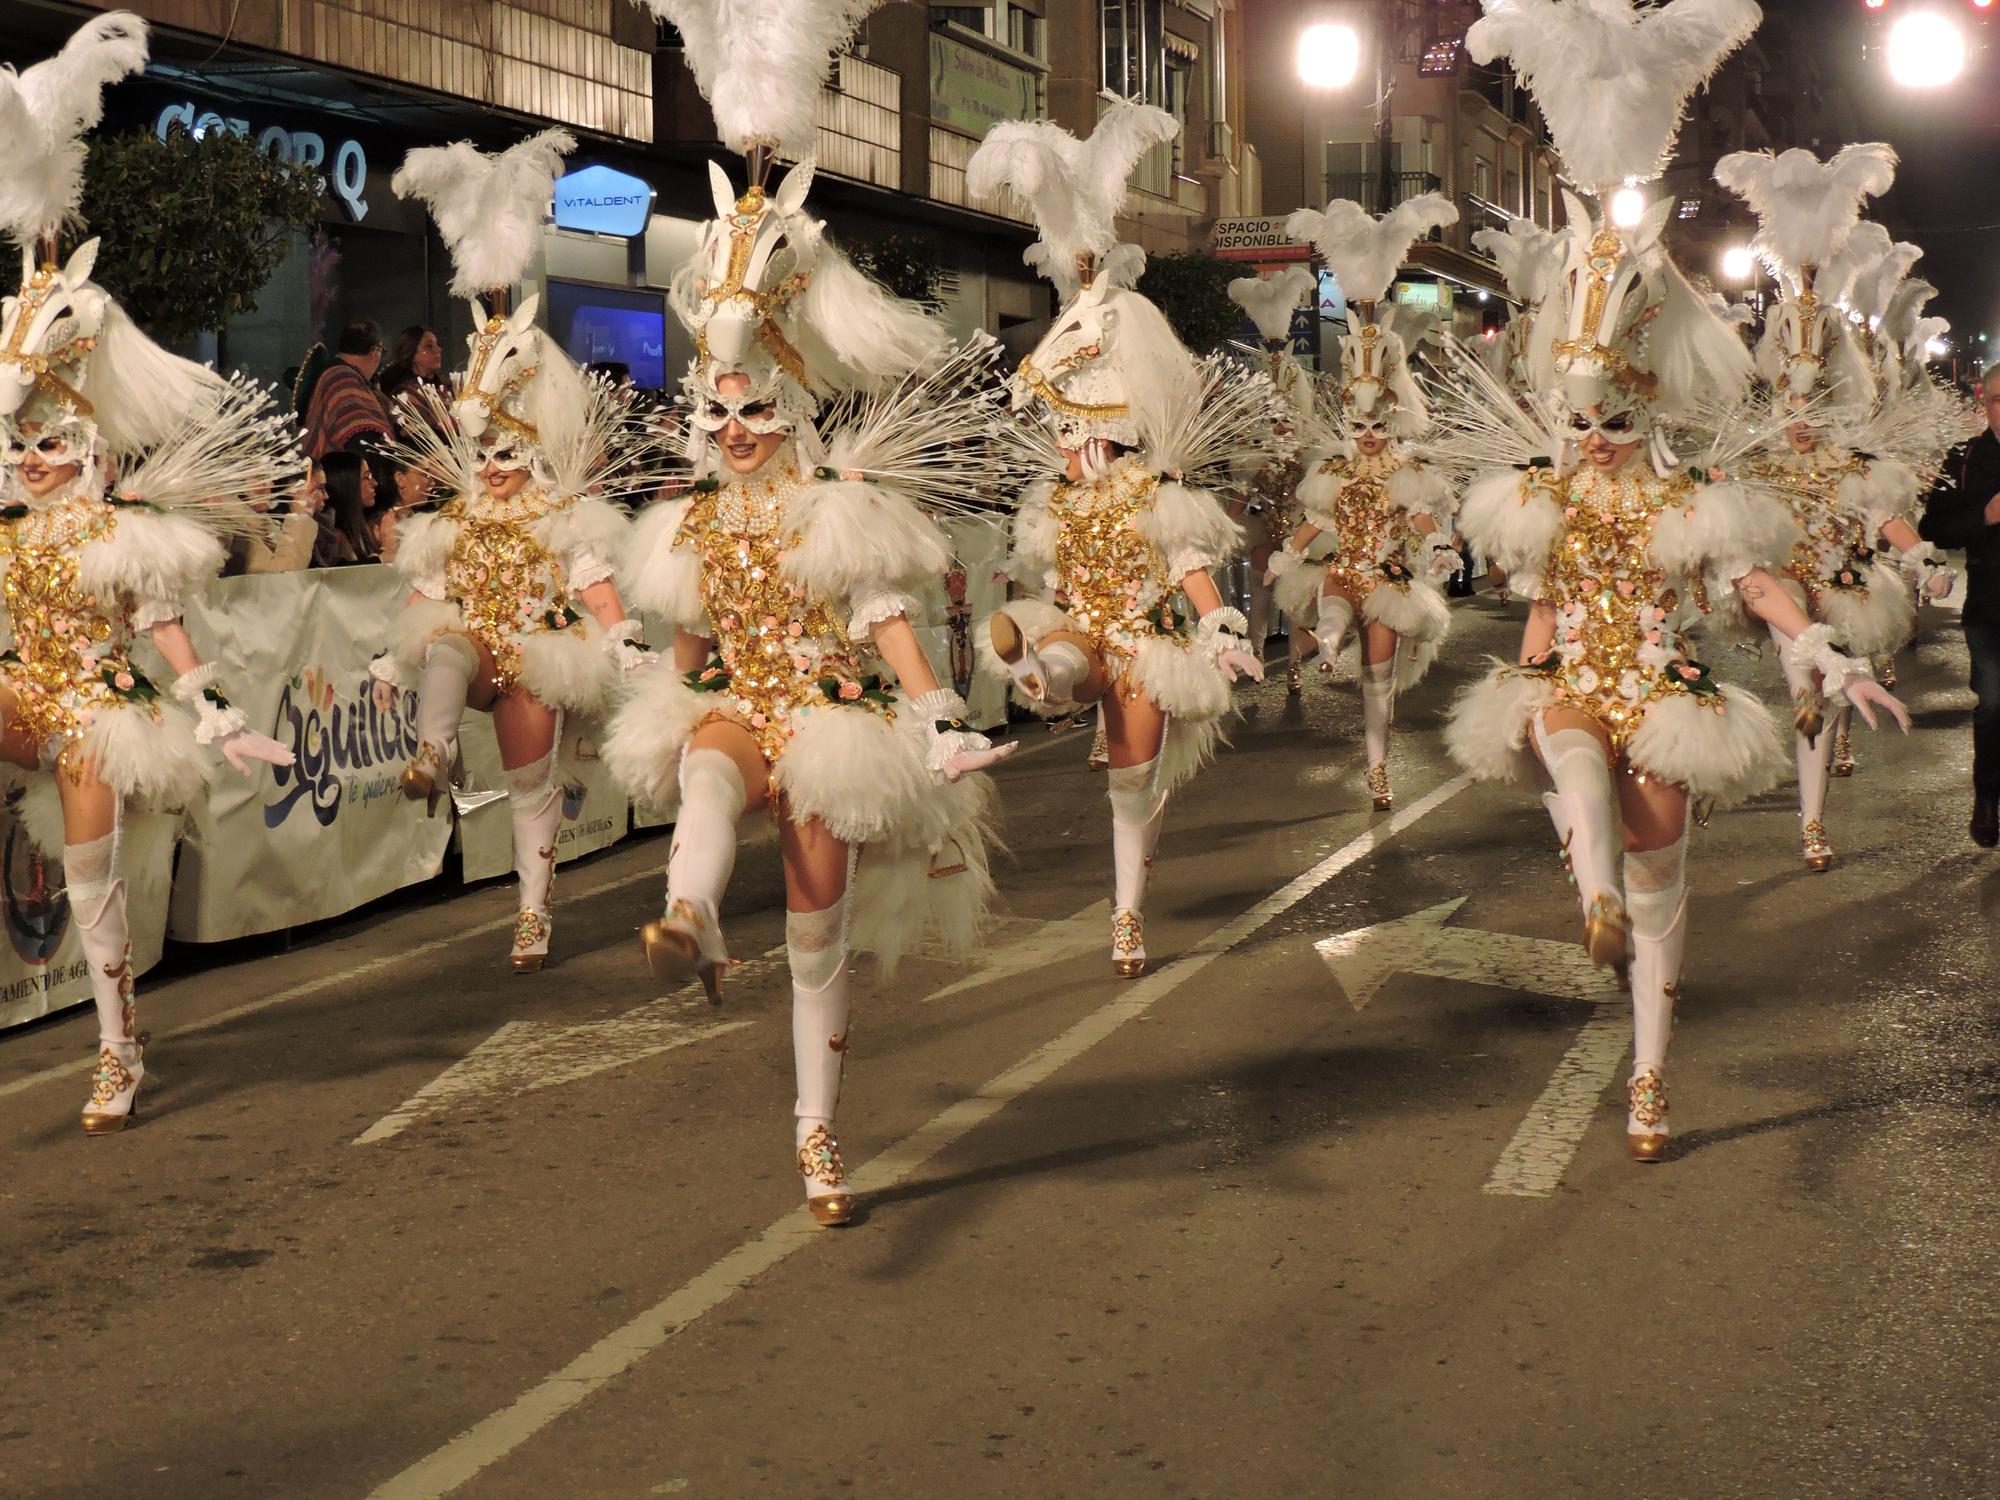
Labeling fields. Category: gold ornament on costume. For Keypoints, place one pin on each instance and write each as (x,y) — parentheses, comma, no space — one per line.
(504,582)
(1111,579)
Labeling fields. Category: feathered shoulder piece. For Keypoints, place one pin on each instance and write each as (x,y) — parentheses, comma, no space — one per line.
(1612,76)
(1212,416)
(1806,208)
(1073,189)
(1527,255)
(1363,251)
(760,64)
(234,445)
(44,113)
(488,207)
(1480,425)
(1271,300)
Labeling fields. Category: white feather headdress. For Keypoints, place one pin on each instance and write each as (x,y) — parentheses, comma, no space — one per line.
(1875,286)
(760,64)
(1271,300)
(1120,266)
(489,207)
(1805,208)
(44,113)
(1073,189)
(1612,76)
(1365,252)
(1864,250)
(1527,255)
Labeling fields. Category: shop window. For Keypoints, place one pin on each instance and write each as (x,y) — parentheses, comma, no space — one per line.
(1132,50)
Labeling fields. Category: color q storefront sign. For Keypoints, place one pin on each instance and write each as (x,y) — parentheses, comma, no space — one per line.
(602,200)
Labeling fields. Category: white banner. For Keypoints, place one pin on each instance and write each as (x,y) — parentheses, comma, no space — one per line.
(313,840)
(486,828)
(41,965)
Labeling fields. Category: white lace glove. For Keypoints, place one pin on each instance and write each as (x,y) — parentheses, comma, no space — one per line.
(220,723)
(625,644)
(1223,637)
(1284,561)
(1923,566)
(1441,558)
(388,682)
(956,748)
(1842,677)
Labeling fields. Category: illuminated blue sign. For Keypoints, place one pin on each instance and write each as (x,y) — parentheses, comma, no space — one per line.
(600,200)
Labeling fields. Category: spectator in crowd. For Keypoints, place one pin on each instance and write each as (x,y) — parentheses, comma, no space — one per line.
(290,544)
(350,495)
(1964,511)
(416,363)
(409,490)
(346,411)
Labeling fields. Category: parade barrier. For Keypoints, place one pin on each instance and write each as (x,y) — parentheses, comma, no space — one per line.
(292,846)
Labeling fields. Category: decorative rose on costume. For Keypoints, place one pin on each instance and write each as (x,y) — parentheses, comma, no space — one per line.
(849,691)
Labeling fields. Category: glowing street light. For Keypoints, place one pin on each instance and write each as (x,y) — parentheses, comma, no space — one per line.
(1628,207)
(1329,55)
(1736,263)
(1926,50)
(1936,347)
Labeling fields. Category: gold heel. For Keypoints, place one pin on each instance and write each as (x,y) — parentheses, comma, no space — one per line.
(1378,788)
(1607,932)
(1818,852)
(1295,680)
(112,1078)
(1646,1096)
(1128,944)
(819,1162)
(424,777)
(531,928)
(673,954)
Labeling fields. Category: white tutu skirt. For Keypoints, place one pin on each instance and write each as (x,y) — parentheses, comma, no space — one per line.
(567,669)
(153,764)
(1865,622)
(1188,688)
(1416,611)
(924,845)
(1727,752)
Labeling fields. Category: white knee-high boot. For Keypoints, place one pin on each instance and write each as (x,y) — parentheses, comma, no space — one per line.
(1814,759)
(1378,707)
(1656,897)
(1047,673)
(535,802)
(450,664)
(816,949)
(1260,612)
(1335,616)
(1575,763)
(97,906)
(687,940)
(1138,809)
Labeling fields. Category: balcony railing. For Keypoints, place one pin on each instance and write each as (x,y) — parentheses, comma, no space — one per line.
(1475,214)
(1365,188)
(950,151)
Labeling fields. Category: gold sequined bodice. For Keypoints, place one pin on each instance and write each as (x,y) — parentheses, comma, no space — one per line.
(1832,538)
(1611,601)
(1364,521)
(69,646)
(1110,578)
(504,581)
(778,651)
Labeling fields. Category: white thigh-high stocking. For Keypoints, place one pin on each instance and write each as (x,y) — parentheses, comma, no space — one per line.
(450,665)
(687,940)
(1048,673)
(816,948)
(1260,611)
(536,804)
(1335,616)
(1575,762)
(97,906)
(1378,707)
(1138,809)
(1814,760)
(1656,897)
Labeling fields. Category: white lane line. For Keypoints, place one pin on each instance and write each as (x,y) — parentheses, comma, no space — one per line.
(299,991)
(1535,1160)
(459,1461)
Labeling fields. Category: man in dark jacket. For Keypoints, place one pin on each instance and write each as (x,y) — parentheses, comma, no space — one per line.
(1964,511)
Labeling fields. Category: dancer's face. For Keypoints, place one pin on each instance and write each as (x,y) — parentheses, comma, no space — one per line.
(501,484)
(1804,437)
(39,477)
(1601,453)
(744,451)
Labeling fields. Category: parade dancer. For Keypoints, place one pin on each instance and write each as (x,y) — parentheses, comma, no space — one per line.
(1614,542)
(1387,515)
(1135,426)
(1269,508)
(1529,258)
(121,468)
(1840,501)
(513,609)
(791,575)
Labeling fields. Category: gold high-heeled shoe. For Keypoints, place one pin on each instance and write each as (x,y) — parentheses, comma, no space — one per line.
(424,777)
(1843,756)
(1646,1096)
(819,1162)
(673,951)
(531,942)
(1378,787)
(1128,944)
(1607,931)
(1818,852)
(1295,679)
(112,1079)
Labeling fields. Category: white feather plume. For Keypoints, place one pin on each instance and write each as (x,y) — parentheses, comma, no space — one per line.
(234,444)
(1528,257)
(1365,252)
(1271,300)
(1073,189)
(852,331)
(1905,305)
(1865,248)
(489,206)
(760,63)
(1806,208)
(1612,76)
(1875,286)
(1121,266)
(44,113)
(1917,344)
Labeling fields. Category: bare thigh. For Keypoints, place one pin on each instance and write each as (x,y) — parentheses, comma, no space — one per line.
(1134,729)
(525,727)
(736,742)
(815,865)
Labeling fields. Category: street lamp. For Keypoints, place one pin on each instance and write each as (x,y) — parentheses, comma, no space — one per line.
(1926,50)
(1329,55)
(1737,263)
(1628,207)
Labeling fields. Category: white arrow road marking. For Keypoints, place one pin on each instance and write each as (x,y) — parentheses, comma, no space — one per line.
(1038,945)
(484,1444)
(1533,1162)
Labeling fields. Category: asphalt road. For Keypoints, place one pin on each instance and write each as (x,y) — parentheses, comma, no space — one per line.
(1311,1210)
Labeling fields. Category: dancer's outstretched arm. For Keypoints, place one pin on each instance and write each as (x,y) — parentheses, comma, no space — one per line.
(220,724)
(1228,647)
(957,748)
(1814,644)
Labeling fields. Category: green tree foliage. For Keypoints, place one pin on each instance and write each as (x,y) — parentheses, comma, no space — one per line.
(192,229)
(905,265)
(1192,289)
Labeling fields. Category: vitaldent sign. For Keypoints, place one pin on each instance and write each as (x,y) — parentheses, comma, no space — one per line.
(601,200)
(346,180)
